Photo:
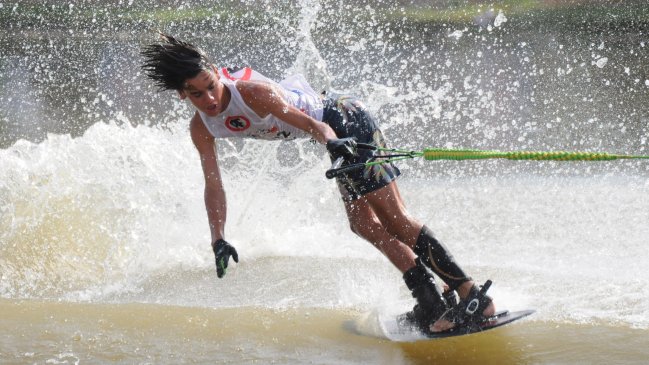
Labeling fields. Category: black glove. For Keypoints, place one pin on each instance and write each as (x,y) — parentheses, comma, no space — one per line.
(343,147)
(222,253)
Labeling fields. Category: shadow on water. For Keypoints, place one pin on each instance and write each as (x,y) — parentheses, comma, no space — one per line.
(492,348)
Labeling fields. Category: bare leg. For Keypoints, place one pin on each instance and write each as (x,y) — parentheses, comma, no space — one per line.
(364,223)
(389,208)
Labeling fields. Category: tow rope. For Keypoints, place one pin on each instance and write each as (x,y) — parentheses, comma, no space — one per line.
(384,155)
(467,154)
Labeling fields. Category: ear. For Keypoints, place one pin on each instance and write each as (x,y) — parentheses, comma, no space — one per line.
(182,95)
(216,72)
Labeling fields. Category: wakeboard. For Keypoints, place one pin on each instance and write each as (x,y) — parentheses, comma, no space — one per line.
(401,329)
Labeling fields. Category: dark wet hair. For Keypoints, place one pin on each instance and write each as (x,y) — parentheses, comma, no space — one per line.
(171,63)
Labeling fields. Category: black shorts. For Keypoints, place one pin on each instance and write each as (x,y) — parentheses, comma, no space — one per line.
(348,117)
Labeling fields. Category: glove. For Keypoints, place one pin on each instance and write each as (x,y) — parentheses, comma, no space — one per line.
(222,253)
(343,147)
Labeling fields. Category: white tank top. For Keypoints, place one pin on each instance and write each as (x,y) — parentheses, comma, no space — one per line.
(238,120)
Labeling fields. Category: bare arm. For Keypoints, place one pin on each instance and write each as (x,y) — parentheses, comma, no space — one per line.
(215,202)
(264,99)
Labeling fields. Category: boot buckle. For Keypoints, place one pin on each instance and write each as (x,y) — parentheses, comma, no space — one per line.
(472,307)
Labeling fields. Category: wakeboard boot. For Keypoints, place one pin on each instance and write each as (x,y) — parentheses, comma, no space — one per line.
(431,303)
(437,258)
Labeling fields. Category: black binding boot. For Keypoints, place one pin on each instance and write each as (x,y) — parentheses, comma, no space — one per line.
(467,314)
(431,303)
(436,257)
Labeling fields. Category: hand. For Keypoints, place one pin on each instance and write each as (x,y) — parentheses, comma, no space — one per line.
(343,147)
(222,253)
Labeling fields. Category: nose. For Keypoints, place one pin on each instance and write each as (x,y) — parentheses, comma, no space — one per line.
(210,95)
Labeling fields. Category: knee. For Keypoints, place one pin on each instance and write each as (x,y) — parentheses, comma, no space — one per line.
(395,224)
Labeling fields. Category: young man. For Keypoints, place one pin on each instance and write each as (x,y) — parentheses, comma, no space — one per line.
(255,107)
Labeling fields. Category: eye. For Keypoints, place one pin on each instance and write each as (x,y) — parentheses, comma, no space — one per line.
(196,94)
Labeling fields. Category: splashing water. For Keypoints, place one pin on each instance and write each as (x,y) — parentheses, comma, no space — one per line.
(101,192)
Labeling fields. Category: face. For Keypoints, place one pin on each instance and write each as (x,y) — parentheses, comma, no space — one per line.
(206,92)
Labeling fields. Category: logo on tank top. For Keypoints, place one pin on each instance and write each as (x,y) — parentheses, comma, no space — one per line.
(237,123)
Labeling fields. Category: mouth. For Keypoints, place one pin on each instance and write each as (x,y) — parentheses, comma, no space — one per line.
(212,108)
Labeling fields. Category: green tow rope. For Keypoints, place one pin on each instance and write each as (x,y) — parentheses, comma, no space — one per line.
(459,154)
(434,154)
